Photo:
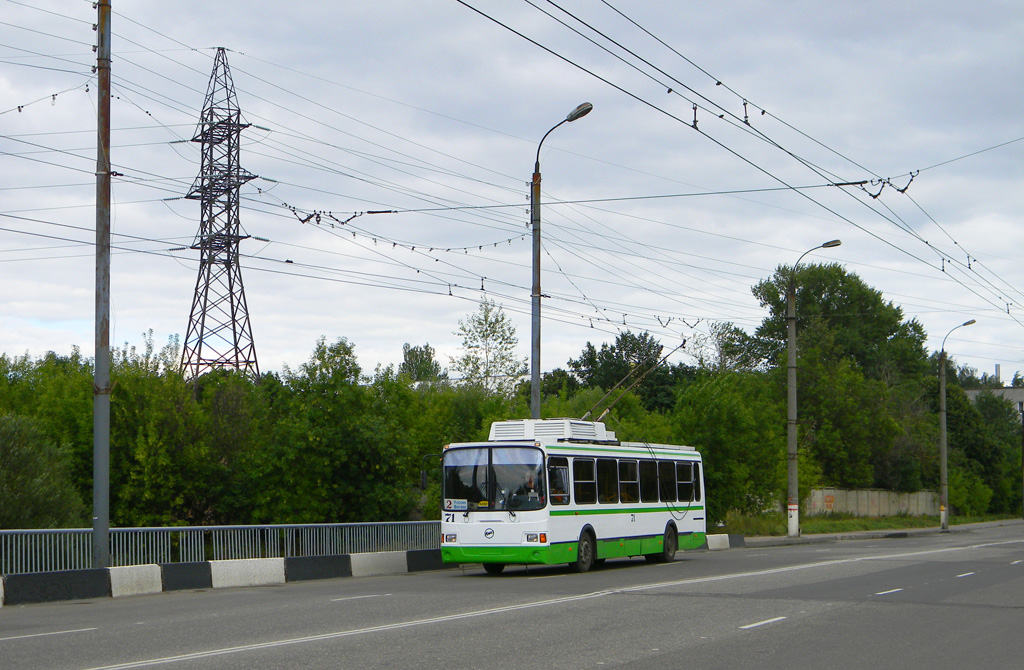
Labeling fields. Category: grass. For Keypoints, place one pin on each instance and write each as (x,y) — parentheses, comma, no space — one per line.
(775,523)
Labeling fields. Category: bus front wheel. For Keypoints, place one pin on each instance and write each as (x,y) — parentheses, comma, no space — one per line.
(585,553)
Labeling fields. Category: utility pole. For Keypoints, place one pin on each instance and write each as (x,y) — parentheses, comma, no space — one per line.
(943,471)
(101,373)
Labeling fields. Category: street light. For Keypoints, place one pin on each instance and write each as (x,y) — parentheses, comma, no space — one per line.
(580,111)
(943,481)
(793,481)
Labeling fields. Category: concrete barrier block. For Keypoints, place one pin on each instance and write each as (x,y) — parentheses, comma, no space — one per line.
(247,572)
(302,568)
(135,580)
(425,559)
(718,541)
(186,576)
(45,587)
(379,563)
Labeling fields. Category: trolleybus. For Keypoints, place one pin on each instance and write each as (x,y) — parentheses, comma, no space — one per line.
(549,491)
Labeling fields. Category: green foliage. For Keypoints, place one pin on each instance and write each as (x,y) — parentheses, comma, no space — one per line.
(967,492)
(327,443)
(861,324)
(737,424)
(419,365)
(35,479)
(635,356)
(488,356)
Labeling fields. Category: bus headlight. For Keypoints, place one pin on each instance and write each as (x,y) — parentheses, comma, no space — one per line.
(537,537)
(450,538)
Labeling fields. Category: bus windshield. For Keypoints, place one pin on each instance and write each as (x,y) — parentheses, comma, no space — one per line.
(494,478)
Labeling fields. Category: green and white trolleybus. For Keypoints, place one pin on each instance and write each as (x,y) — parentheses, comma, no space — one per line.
(547,491)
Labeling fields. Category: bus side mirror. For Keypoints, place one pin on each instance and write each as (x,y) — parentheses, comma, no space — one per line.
(423,480)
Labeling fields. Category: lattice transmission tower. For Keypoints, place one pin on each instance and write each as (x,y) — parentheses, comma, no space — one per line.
(219,335)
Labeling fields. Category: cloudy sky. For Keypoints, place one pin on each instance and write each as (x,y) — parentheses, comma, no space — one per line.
(434,110)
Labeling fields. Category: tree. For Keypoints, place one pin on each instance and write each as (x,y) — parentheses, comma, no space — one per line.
(726,348)
(863,325)
(637,355)
(35,479)
(488,354)
(733,419)
(418,364)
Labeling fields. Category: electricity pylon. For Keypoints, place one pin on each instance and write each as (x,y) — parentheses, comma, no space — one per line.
(219,335)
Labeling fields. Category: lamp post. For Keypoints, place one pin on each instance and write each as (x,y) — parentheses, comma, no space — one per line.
(580,111)
(792,479)
(943,480)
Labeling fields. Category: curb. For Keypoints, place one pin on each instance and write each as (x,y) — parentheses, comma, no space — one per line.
(134,580)
(780,541)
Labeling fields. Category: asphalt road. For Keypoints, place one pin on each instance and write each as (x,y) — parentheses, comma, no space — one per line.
(938,601)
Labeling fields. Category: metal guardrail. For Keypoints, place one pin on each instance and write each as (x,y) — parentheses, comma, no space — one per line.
(24,551)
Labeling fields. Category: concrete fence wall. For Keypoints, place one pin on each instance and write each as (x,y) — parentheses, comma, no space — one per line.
(872,502)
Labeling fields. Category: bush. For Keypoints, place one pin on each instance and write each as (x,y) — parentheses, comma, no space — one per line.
(968,494)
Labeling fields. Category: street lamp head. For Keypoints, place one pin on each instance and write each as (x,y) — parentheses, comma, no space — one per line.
(831,243)
(968,323)
(582,110)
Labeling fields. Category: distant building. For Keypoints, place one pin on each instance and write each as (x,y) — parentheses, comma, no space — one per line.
(1013,394)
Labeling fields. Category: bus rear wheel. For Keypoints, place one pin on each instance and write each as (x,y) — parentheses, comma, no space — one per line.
(585,553)
(494,568)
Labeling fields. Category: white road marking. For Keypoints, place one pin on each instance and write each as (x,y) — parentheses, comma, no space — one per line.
(885,593)
(762,623)
(966,574)
(1016,562)
(529,605)
(56,632)
(379,595)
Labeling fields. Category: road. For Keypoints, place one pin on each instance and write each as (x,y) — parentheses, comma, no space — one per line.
(938,601)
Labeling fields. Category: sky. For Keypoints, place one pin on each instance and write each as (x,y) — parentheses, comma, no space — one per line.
(655,216)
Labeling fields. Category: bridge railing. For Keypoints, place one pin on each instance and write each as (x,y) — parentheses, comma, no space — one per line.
(24,551)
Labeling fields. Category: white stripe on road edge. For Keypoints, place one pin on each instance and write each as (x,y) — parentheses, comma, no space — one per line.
(378,595)
(966,574)
(56,632)
(762,623)
(885,593)
(540,603)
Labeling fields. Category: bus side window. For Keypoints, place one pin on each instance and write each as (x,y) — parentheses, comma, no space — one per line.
(607,480)
(558,480)
(684,480)
(667,480)
(696,481)
(649,481)
(584,482)
(629,484)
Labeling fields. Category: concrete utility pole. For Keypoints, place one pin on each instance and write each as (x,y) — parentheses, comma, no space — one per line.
(943,472)
(101,373)
(792,455)
(580,111)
